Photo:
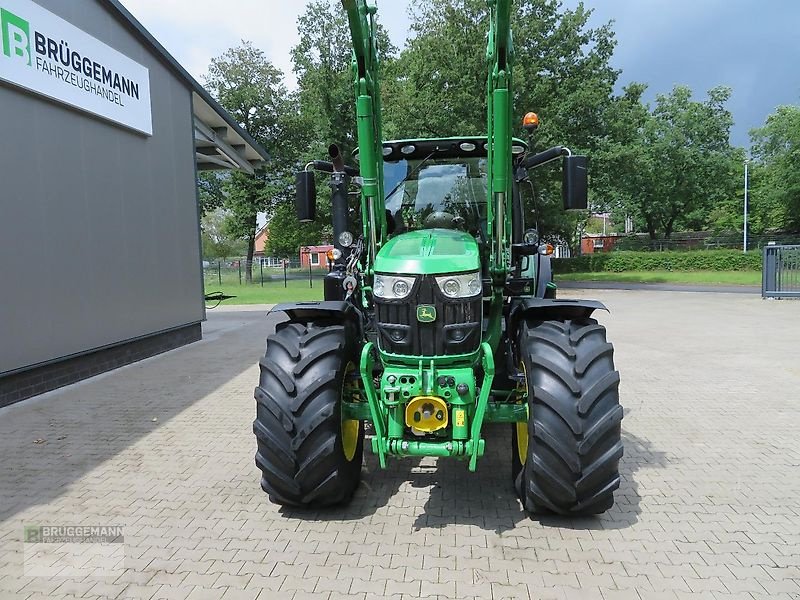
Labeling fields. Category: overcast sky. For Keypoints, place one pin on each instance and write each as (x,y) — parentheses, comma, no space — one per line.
(749,45)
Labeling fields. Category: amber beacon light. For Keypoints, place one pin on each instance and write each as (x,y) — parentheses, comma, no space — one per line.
(530,121)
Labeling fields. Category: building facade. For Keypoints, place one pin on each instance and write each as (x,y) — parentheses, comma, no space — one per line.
(102,136)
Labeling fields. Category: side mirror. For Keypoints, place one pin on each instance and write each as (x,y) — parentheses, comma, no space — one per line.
(574,187)
(306,198)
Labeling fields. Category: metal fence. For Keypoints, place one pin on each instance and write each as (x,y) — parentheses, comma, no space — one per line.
(702,240)
(781,272)
(233,271)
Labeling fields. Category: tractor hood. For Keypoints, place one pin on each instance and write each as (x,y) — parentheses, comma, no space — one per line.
(428,252)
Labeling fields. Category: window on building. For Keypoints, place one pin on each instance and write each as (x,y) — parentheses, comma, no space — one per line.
(314,258)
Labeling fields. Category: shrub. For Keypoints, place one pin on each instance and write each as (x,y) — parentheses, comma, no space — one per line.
(700,260)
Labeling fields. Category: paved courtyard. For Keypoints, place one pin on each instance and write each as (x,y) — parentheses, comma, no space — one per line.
(709,505)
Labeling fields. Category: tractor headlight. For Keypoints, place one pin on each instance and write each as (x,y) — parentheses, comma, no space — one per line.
(531,237)
(392,287)
(346,239)
(463,285)
(400,289)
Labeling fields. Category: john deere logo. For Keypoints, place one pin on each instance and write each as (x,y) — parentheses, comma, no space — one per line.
(426,313)
(16,36)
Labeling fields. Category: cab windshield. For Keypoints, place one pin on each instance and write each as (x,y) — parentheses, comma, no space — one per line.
(449,193)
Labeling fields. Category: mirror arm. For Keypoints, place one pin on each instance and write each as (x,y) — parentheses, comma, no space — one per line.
(542,158)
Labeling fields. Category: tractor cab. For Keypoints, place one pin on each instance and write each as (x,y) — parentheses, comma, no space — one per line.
(438,184)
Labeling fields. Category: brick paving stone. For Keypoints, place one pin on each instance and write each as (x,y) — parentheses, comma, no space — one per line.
(708,508)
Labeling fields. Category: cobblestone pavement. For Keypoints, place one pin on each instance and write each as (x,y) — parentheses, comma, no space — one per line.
(709,505)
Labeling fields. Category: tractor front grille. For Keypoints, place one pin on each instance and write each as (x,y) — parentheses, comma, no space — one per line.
(455,330)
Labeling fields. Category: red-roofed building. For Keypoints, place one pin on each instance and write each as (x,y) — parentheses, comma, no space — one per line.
(315,255)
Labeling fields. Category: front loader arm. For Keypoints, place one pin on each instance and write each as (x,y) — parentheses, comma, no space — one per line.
(366,75)
(499,56)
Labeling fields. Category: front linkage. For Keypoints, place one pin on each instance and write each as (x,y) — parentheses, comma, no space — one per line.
(426,399)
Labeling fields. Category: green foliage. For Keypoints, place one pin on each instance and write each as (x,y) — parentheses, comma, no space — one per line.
(211,191)
(287,234)
(217,241)
(321,61)
(250,88)
(561,71)
(701,260)
(669,167)
(776,174)
(680,277)
(672,168)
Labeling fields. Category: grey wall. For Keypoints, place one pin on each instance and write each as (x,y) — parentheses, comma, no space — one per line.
(98,224)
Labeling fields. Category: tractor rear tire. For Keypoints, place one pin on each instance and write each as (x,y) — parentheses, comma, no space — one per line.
(308,456)
(571,466)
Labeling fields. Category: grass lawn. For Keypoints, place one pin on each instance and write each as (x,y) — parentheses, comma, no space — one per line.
(273,291)
(687,277)
(296,290)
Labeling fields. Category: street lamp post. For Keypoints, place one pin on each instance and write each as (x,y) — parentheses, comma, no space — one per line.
(744,245)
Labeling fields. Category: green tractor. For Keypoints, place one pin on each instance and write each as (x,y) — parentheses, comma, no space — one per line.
(439,316)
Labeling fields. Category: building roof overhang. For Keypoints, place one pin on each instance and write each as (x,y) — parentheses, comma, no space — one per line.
(220,142)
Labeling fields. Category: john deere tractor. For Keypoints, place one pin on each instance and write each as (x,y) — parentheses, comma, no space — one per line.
(439,316)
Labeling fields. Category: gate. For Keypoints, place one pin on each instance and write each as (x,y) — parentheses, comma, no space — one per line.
(780,275)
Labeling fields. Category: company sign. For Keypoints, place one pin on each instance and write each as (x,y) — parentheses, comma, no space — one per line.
(49,56)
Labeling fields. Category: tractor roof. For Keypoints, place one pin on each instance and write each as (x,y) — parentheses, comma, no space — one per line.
(450,147)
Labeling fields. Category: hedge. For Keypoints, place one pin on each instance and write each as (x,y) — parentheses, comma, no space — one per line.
(700,260)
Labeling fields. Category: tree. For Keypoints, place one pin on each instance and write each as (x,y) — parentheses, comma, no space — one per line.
(561,70)
(217,240)
(672,166)
(321,112)
(249,87)
(287,234)
(322,62)
(211,191)
(776,173)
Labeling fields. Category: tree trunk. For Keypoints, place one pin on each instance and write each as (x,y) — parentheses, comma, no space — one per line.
(251,248)
(668,227)
(651,226)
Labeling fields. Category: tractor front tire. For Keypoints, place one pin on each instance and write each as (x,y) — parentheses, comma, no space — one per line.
(573,444)
(308,455)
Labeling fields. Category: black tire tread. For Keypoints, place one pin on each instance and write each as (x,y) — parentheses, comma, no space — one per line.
(298,419)
(572,466)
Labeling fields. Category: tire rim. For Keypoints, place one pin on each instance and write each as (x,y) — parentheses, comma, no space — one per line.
(522,427)
(350,427)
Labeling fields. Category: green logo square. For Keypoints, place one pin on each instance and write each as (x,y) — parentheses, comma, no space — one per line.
(30,534)
(426,313)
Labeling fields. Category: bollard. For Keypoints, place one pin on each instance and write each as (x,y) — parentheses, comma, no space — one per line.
(310,283)
(261,262)
(285,265)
